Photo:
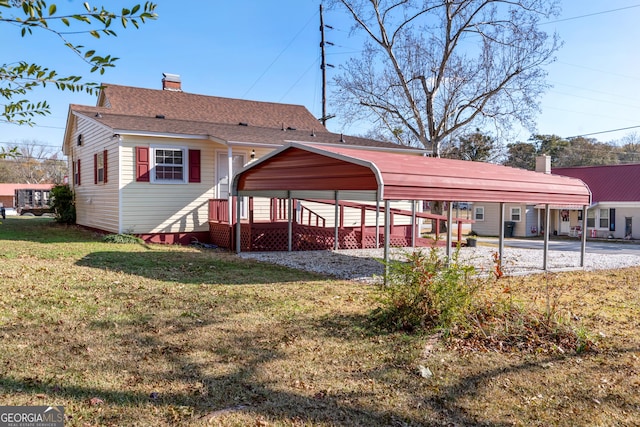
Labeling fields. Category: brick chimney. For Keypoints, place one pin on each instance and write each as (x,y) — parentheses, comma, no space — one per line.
(543,164)
(171,82)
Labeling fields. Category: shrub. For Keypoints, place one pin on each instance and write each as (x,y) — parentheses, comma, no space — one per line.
(122,238)
(63,204)
(427,291)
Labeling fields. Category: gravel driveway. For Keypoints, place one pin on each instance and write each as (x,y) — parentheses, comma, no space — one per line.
(365,264)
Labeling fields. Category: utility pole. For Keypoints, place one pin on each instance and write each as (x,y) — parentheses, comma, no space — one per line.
(323,66)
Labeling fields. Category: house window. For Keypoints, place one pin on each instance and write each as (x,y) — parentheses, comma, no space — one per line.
(604,218)
(515,214)
(591,218)
(100,167)
(169,165)
(76,172)
(478,213)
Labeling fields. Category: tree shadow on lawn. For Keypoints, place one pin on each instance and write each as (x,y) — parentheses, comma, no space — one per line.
(232,377)
(238,390)
(44,230)
(210,267)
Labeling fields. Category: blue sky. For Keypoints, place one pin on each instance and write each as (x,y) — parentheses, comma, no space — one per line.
(269,51)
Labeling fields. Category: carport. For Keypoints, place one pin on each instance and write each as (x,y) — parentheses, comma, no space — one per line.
(314,171)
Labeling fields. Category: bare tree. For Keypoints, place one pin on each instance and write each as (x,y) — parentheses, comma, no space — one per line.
(629,149)
(432,68)
(34,163)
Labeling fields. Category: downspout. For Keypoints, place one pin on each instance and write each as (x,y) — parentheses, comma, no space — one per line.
(120,186)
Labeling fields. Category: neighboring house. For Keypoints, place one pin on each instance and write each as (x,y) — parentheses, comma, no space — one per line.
(148,162)
(30,195)
(522,219)
(616,200)
(526,220)
(614,210)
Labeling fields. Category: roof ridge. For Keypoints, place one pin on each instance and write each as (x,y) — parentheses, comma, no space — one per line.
(180,93)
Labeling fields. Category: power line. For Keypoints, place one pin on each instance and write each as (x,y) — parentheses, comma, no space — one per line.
(604,131)
(590,14)
(599,71)
(279,55)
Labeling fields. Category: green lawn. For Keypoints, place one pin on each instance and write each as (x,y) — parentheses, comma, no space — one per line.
(131,334)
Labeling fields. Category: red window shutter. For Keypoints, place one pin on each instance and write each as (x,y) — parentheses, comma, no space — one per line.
(104,165)
(194,165)
(95,168)
(142,164)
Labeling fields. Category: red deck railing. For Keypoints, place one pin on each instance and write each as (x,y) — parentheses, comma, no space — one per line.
(310,228)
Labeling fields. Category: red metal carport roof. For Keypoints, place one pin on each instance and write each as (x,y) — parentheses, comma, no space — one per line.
(307,170)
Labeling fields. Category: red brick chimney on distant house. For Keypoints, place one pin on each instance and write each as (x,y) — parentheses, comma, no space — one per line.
(171,82)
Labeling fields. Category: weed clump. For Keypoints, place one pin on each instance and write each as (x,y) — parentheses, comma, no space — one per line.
(429,293)
(425,292)
(122,238)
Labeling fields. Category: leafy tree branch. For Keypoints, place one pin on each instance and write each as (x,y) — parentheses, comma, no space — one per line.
(18,79)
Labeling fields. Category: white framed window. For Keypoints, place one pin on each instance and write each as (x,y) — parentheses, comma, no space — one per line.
(516,214)
(591,218)
(604,218)
(478,213)
(169,165)
(100,167)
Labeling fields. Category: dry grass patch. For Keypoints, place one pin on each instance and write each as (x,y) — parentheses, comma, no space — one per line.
(163,336)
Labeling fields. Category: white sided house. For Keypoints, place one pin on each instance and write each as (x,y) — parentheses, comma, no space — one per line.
(613,214)
(615,211)
(150,162)
(527,220)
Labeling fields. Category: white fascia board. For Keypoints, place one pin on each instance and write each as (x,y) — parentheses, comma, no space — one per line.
(159,134)
(252,144)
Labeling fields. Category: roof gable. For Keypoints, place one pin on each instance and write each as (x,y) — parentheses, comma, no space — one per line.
(612,183)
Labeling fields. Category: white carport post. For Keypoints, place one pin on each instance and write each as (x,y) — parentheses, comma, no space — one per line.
(413,224)
(290,221)
(238,225)
(501,233)
(583,246)
(449,219)
(377,222)
(387,232)
(545,253)
(336,221)
(230,182)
